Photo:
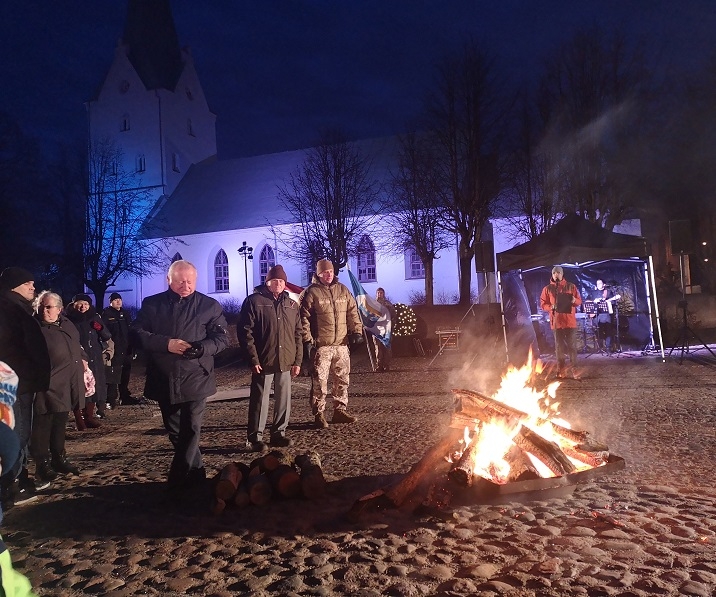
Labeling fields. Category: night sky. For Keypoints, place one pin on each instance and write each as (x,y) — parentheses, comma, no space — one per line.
(274,71)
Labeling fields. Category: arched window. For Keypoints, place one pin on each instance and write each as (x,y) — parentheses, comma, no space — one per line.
(221,272)
(177,257)
(266,261)
(366,260)
(414,267)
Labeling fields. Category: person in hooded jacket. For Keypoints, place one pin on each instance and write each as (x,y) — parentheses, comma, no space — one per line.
(180,331)
(96,340)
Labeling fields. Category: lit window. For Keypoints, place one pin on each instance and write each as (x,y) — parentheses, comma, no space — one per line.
(414,267)
(366,260)
(266,261)
(221,272)
(141,163)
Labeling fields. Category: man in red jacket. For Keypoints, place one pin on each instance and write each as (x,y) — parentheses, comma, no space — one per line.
(561,299)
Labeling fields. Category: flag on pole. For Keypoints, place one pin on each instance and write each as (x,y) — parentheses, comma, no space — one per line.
(375,317)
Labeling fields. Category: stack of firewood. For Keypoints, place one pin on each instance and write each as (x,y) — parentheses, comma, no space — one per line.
(271,476)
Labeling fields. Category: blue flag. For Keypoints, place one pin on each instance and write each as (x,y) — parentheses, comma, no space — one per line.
(375,317)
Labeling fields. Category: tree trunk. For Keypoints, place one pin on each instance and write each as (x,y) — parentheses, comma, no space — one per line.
(429,282)
(466,254)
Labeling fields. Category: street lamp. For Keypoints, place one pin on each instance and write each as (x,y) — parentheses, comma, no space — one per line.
(248,254)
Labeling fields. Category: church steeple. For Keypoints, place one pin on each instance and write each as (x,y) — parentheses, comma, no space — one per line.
(153,43)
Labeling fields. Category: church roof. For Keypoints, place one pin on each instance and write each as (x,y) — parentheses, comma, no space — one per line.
(153,43)
(243,193)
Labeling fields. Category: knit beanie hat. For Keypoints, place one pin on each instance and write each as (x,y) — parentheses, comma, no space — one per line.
(114,295)
(82,297)
(276,273)
(12,277)
(323,265)
(557,269)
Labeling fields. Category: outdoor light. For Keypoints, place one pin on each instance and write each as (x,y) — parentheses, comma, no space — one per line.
(248,255)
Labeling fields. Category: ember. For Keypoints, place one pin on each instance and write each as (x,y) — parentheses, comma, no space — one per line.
(511,442)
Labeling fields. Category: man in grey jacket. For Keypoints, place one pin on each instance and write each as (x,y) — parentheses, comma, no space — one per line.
(181,330)
(270,333)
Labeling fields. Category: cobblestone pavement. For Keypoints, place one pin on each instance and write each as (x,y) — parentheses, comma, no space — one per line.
(649,529)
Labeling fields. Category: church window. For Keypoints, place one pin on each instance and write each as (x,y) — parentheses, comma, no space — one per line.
(141,163)
(414,267)
(124,124)
(267,260)
(190,127)
(175,162)
(366,260)
(221,272)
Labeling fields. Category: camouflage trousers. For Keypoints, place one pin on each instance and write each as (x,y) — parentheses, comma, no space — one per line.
(327,360)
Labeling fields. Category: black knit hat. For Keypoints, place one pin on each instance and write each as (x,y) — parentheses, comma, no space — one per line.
(114,295)
(82,297)
(12,277)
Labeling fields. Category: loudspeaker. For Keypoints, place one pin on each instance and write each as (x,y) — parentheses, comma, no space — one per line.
(680,238)
(485,256)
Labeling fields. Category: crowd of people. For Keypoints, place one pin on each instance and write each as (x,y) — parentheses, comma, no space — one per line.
(68,359)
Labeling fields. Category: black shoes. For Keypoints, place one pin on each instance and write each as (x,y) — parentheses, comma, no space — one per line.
(44,471)
(257,446)
(281,441)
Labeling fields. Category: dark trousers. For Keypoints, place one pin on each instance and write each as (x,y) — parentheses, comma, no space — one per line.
(183,423)
(259,403)
(48,435)
(23,411)
(120,391)
(565,344)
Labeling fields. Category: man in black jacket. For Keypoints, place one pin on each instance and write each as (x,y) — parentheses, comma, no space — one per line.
(23,347)
(181,330)
(270,333)
(118,372)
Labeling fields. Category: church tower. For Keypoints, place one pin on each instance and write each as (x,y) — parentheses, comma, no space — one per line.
(151,105)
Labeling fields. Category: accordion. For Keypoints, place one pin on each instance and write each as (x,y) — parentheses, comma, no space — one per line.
(564,303)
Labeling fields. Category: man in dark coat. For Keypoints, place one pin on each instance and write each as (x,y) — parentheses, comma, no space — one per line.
(118,320)
(23,347)
(270,333)
(181,330)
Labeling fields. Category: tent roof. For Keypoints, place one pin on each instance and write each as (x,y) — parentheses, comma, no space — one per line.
(572,240)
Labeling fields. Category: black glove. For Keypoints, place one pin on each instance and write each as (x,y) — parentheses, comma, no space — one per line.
(355,338)
(195,352)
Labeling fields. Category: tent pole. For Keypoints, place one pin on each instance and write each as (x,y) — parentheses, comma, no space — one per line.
(502,315)
(651,279)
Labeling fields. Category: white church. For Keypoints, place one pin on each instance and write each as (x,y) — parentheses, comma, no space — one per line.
(224,215)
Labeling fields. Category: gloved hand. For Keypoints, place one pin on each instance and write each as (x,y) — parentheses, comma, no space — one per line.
(195,352)
(356,338)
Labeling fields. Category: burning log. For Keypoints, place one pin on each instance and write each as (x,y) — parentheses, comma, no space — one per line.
(593,459)
(463,471)
(313,483)
(547,452)
(521,467)
(469,402)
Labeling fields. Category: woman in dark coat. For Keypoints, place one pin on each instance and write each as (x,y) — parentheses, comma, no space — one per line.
(66,391)
(95,338)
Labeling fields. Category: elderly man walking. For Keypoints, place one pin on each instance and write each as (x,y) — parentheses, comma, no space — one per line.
(330,320)
(270,333)
(181,330)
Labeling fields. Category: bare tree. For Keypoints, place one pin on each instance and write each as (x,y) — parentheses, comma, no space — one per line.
(116,209)
(590,101)
(467,119)
(414,220)
(333,199)
(531,206)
